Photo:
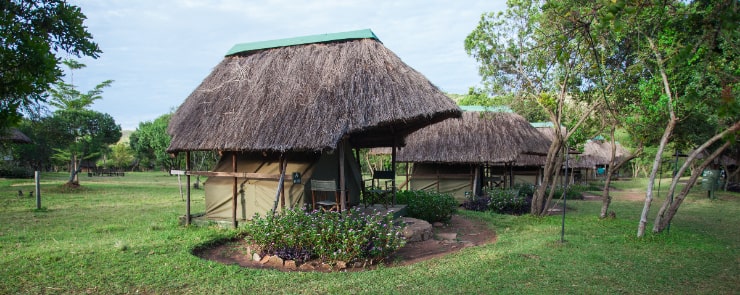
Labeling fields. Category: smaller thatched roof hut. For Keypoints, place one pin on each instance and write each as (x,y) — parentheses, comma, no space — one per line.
(454,155)
(14,135)
(598,153)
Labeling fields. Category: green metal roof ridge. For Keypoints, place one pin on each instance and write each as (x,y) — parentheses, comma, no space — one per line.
(495,109)
(349,35)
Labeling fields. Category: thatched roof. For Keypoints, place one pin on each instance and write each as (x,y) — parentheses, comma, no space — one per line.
(295,95)
(478,137)
(14,135)
(598,152)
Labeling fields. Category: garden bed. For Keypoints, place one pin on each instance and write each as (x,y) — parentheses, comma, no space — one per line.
(458,234)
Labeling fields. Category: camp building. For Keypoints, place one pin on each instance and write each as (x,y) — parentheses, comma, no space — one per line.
(465,155)
(283,113)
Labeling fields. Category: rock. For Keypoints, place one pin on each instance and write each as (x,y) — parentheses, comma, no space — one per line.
(307,267)
(324,267)
(290,264)
(416,230)
(256,257)
(447,236)
(358,265)
(438,224)
(275,261)
(265,259)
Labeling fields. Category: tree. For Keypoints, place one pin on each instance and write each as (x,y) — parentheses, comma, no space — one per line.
(150,142)
(689,52)
(121,155)
(88,134)
(33,34)
(534,55)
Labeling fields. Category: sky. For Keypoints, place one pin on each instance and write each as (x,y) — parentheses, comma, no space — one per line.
(158,52)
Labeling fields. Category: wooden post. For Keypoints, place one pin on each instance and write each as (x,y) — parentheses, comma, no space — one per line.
(37,178)
(511,175)
(476,180)
(233,191)
(393,167)
(342,184)
(187,182)
(282,183)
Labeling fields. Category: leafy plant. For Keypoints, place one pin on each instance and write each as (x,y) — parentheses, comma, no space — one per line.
(429,206)
(506,201)
(351,236)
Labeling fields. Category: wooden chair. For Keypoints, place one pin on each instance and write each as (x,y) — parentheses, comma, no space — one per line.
(325,194)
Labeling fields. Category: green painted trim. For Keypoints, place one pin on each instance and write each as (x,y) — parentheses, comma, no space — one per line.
(350,35)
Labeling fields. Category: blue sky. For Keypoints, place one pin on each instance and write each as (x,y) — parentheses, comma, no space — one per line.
(159,51)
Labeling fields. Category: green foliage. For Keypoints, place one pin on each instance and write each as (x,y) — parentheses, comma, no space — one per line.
(34,35)
(15,172)
(351,236)
(65,96)
(121,155)
(429,206)
(506,201)
(150,142)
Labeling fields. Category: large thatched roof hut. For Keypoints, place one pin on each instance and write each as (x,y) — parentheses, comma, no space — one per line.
(300,100)
(456,155)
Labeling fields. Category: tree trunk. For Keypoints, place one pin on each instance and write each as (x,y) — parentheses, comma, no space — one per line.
(550,164)
(666,213)
(663,140)
(660,222)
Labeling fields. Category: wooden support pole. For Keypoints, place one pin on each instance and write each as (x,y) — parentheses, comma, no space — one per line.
(393,167)
(342,184)
(234,192)
(187,182)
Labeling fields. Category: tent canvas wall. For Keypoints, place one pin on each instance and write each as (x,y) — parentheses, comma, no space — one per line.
(258,196)
(454,179)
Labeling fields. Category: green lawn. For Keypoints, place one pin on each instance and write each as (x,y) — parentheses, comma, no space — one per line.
(120,235)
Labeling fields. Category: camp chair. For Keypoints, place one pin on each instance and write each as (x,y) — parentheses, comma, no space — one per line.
(379,187)
(322,190)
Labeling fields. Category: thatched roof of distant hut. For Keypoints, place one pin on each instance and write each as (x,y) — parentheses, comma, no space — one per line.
(306,94)
(598,152)
(478,137)
(14,135)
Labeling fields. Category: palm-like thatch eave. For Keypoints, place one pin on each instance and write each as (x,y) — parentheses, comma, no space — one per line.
(308,98)
(478,137)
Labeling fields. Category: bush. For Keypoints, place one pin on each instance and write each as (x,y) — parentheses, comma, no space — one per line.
(429,206)
(575,191)
(15,172)
(330,236)
(477,203)
(507,201)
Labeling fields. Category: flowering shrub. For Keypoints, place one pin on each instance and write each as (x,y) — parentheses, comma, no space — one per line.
(429,206)
(507,201)
(351,236)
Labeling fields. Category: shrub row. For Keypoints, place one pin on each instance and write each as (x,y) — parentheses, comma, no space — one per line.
(15,172)
(351,236)
(429,206)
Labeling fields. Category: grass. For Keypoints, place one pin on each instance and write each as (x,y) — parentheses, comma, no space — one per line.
(120,235)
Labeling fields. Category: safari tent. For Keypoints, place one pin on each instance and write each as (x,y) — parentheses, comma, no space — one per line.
(457,156)
(288,111)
